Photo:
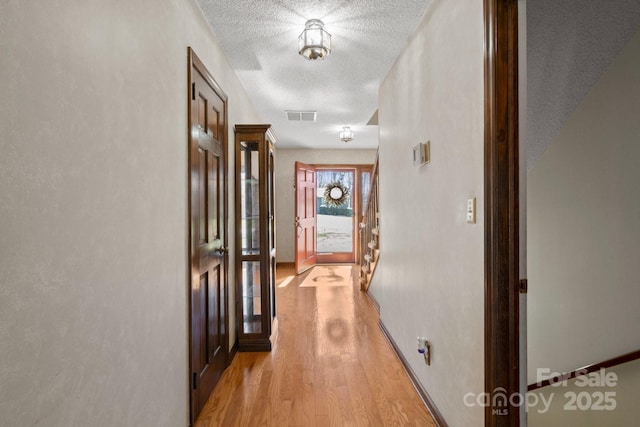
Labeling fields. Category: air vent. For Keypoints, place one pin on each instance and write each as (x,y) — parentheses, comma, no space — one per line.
(301,116)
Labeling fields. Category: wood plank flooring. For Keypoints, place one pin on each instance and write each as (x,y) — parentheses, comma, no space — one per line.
(330,366)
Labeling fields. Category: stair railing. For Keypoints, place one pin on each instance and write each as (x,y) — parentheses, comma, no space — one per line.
(370,232)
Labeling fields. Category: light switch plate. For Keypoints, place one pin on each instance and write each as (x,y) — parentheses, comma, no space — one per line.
(421,154)
(471,210)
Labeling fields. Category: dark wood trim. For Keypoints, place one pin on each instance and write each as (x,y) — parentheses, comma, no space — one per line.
(255,344)
(585,370)
(233,352)
(373,300)
(501,208)
(190,81)
(426,399)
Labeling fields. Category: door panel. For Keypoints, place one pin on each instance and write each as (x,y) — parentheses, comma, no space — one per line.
(305,222)
(207,237)
(214,201)
(201,196)
(214,309)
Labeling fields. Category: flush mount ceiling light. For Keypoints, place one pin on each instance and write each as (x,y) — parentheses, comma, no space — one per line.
(345,134)
(314,42)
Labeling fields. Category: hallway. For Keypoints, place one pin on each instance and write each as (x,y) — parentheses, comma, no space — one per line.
(330,366)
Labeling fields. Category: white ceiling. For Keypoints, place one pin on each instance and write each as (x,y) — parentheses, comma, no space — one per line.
(261,41)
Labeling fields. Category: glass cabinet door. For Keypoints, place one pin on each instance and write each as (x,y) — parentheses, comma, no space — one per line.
(255,236)
(251,298)
(250,236)
(272,231)
(250,197)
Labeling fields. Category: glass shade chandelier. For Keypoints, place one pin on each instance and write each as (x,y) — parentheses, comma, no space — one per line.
(346,135)
(314,42)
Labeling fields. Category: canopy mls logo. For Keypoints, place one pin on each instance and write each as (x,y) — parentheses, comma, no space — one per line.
(592,400)
(500,401)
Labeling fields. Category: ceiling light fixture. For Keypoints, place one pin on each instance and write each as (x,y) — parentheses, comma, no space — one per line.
(314,42)
(345,134)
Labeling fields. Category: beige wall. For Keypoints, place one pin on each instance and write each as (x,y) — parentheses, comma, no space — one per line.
(583,228)
(93,210)
(285,194)
(429,281)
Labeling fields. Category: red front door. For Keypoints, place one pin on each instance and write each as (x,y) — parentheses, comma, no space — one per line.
(305,221)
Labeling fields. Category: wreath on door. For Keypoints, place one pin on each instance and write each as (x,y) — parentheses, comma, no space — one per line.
(335,194)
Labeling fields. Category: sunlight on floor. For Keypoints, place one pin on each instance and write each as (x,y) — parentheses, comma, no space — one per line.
(286,281)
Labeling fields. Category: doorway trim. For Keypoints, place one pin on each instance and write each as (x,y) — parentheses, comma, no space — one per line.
(342,257)
(502,362)
(359,169)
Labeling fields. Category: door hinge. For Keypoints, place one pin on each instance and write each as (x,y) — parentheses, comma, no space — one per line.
(524,286)
(195,380)
(193,91)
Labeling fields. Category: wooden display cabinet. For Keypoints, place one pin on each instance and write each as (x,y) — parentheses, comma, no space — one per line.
(255,236)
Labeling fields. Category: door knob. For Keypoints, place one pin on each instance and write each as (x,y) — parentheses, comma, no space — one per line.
(222,250)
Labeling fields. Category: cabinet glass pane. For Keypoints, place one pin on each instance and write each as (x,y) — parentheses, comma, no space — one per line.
(249,198)
(251,298)
(272,208)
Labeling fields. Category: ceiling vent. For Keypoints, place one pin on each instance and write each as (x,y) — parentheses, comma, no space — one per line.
(301,116)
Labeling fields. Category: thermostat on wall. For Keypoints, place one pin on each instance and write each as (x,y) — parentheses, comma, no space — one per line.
(421,154)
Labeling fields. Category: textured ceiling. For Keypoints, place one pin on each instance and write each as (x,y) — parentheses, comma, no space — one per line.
(260,39)
(570,43)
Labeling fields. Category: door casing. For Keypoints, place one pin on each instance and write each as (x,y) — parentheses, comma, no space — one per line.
(354,256)
(501,183)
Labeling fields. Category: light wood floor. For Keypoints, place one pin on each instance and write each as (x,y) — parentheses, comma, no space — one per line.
(330,366)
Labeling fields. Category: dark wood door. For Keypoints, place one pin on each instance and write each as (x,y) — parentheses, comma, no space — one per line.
(208,236)
(305,221)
